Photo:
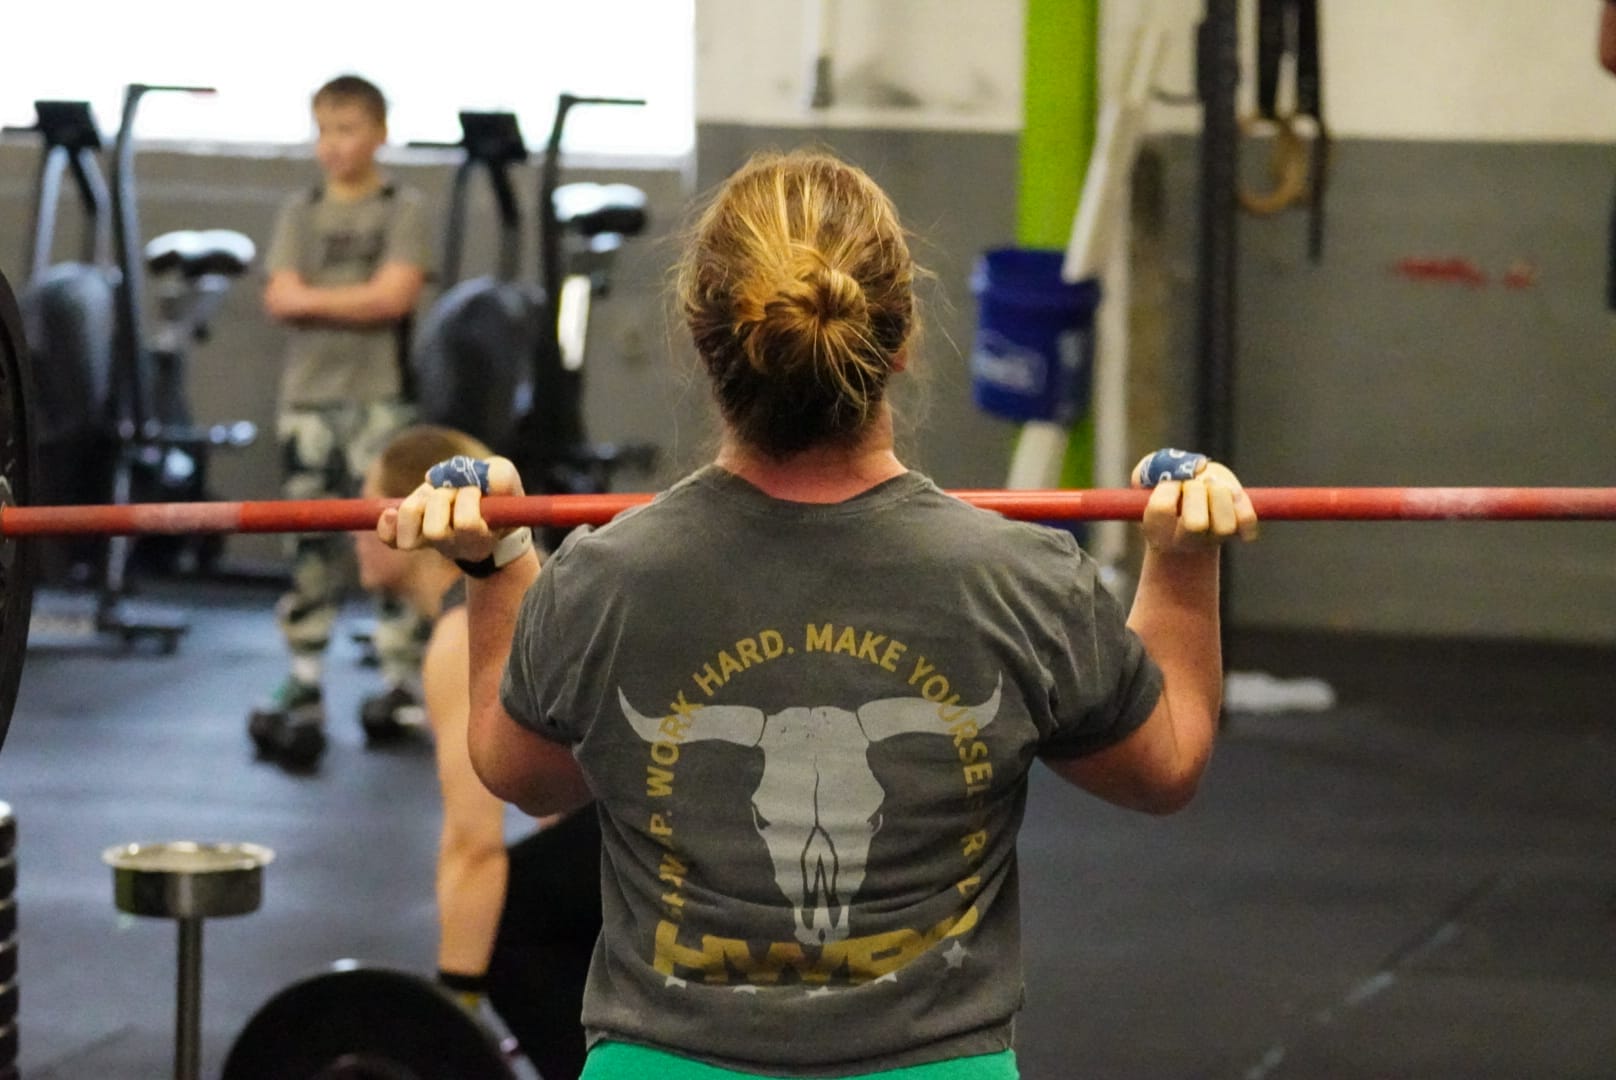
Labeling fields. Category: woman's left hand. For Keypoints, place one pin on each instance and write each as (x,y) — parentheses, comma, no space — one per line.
(1195,504)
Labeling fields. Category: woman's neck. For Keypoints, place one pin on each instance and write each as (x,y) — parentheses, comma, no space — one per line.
(821,474)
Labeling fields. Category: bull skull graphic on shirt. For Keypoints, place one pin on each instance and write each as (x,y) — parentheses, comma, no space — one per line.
(818,803)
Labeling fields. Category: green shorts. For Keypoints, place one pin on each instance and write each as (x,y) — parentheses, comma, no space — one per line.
(625,1061)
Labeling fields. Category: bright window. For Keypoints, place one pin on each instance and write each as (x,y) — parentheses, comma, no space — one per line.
(431,60)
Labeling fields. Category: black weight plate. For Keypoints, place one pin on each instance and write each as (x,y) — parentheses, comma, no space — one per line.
(8,829)
(8,1002)
(8,876)
(8,963)
(8,919)
(8,1044)
(17,467)
(363,1023)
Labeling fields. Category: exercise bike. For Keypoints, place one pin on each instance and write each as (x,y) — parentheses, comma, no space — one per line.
(503,359)
(581,228)
(470,364)
(69,309)
(193,271)
(116,425)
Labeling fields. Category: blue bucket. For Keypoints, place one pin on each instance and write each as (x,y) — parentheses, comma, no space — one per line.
(1034,352)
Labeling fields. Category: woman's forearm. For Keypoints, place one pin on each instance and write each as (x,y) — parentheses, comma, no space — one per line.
(1175,614)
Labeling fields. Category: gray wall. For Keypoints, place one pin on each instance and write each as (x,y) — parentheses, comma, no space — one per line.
(1350,374)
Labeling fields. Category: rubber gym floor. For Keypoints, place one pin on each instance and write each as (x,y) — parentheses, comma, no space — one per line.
(1420,882)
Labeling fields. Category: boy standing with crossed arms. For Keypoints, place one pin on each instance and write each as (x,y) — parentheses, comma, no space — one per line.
(346,268)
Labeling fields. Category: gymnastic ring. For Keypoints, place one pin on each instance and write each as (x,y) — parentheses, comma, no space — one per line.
(1287,166)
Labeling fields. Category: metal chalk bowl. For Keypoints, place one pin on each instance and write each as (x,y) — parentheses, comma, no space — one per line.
(188,882)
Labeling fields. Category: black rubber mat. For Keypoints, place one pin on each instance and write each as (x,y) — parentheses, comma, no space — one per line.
(1413,884)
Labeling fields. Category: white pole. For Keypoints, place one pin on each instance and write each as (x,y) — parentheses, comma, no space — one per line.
(1101,212)
(1108,541)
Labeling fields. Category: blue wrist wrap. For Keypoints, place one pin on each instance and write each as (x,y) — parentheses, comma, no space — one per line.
(459,471)
(1168,464)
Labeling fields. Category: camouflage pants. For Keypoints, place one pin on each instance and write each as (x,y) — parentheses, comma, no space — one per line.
(325,451)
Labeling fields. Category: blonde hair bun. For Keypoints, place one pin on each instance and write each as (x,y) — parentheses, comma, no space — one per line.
(797,286)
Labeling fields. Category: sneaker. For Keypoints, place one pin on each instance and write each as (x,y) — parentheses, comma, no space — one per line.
(290,727)
(391,716)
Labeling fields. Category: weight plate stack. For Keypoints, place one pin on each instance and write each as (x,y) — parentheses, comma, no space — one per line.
(8,943)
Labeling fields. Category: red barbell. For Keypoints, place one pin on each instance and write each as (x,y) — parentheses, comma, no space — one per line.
(1100,504)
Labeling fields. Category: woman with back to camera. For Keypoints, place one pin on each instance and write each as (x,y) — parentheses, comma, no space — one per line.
(807,687)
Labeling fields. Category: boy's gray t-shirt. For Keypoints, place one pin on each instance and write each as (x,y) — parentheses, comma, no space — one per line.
(810,728)
(334,242)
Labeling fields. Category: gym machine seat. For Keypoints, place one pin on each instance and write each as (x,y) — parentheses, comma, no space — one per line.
(197,252)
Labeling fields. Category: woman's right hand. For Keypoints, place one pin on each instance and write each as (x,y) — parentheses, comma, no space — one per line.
(450,518)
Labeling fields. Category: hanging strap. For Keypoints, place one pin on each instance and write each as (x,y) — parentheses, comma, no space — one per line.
(1289,29)
(1310,102)
(1272,45)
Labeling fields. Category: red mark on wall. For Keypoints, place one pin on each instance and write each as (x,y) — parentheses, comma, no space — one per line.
(1457,270)
(1522,273)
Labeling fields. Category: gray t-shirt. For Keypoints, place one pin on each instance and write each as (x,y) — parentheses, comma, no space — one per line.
(332,242)
(810,729)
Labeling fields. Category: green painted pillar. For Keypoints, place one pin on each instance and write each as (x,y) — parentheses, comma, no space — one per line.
(1061,109)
